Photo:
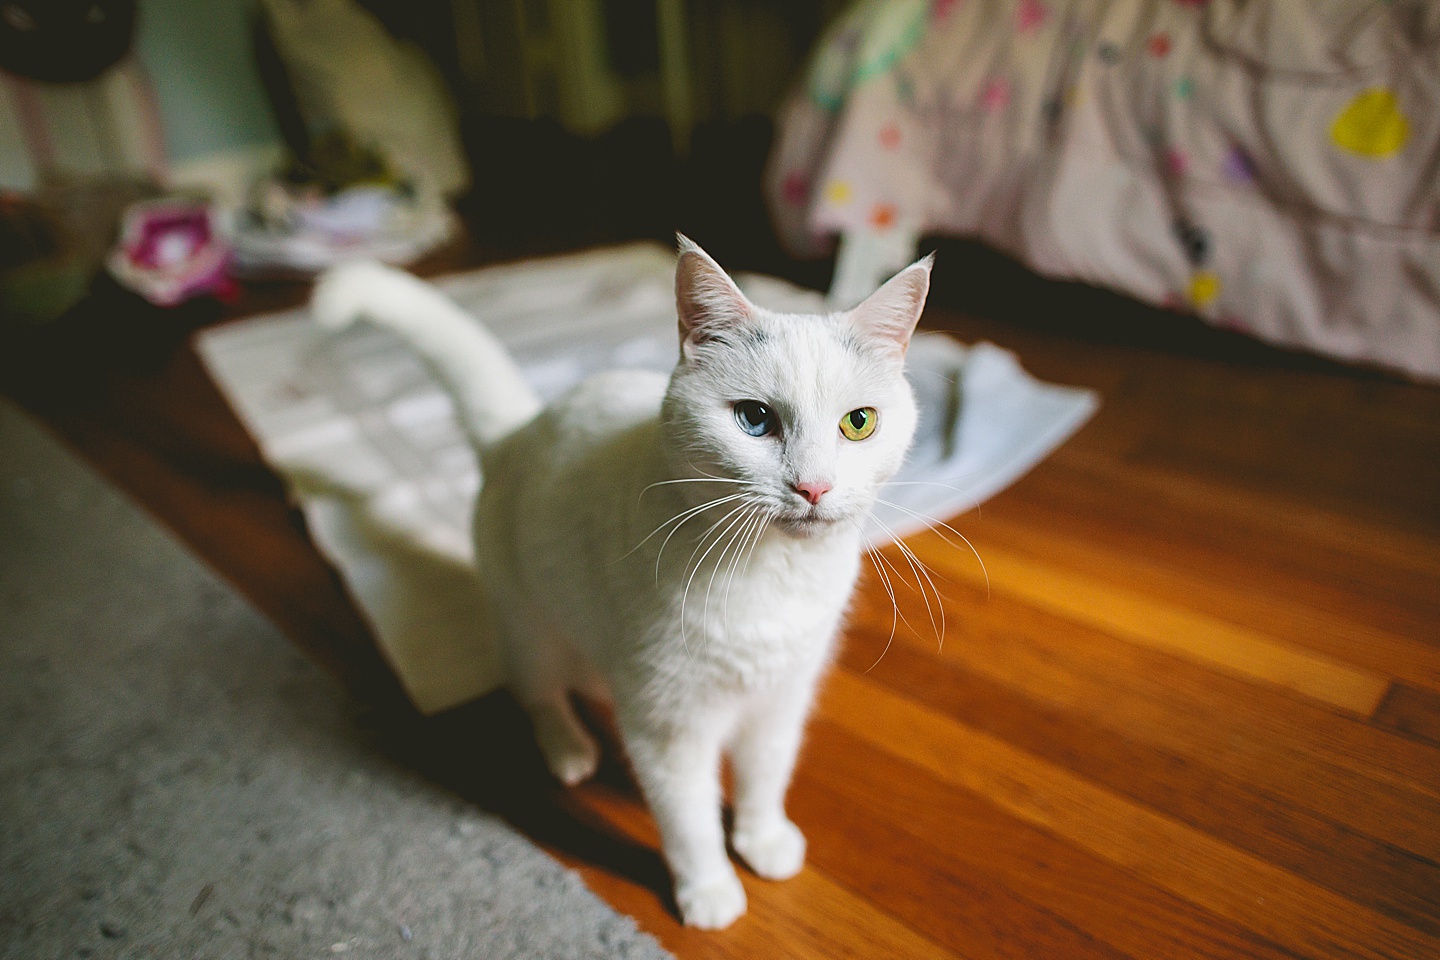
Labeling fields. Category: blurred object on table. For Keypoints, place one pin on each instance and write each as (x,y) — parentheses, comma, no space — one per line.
(170,250)
(333,71)
(341,201)
(53,242)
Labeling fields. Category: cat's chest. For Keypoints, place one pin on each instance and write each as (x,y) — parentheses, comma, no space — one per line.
(752,627)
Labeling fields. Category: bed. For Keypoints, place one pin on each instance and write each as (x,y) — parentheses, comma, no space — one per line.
(1273,167)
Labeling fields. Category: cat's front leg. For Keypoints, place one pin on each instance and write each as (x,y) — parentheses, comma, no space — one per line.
(762,756)
(679,772)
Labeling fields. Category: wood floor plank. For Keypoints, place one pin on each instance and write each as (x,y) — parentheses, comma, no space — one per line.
(1332,441)
(919,882)
(1312,758)
(1335,856)
(1274,903)
(1231,589)
(1254,509)
(811,914)
(1336,445)
(1150,622)
(1415,713)
(1335,559)
(991,846)
(1338,737)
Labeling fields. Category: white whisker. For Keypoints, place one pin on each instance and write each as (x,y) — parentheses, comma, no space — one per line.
(739,523)
(686,515)
(762,520)
(932,523)
(922,570)
(704,537)
(692,571)
(895,573)
(922,577)
(970,500)
(665,483)
(689,515)
(741,537)
(894,608)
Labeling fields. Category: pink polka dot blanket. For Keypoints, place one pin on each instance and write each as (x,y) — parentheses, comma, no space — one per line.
(1273,167)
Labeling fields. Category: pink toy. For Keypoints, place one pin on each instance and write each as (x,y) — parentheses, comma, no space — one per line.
(170,251)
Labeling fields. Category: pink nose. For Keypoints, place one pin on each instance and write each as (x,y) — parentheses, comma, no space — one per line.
(813,491)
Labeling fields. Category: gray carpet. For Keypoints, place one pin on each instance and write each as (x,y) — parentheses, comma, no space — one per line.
(176,781)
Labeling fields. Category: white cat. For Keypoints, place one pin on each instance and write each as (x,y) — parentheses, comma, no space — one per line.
(683,548)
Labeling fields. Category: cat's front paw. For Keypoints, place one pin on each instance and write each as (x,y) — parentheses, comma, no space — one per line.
(713,904)
(775,851)
(572,755)
(573,763)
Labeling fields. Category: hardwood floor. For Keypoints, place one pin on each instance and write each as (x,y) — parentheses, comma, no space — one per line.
(1195,712)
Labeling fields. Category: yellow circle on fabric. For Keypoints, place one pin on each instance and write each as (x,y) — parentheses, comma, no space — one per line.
(1204,288)
(838,193)
(1371,125)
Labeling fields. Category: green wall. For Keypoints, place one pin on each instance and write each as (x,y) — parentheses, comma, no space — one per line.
(199,54)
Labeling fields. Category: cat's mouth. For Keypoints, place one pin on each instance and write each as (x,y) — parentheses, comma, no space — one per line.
(808,524)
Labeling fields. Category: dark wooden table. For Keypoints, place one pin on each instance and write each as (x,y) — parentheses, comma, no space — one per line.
(1196,713)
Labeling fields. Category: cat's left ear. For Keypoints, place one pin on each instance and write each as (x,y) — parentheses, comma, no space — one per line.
(890,313)
(706,299)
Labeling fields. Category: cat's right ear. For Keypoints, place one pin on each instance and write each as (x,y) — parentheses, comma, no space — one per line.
(890,313)
(706,299)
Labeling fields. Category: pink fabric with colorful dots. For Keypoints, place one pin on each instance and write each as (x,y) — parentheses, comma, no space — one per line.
(1296,143)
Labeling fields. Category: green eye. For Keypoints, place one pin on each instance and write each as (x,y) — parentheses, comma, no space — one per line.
(859,424)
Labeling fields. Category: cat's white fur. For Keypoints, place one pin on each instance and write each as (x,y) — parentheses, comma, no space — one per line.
(708,628)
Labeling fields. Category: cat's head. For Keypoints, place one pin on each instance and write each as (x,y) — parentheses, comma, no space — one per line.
(810,414)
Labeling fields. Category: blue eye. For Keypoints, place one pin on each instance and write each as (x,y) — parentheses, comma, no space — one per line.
(755,418)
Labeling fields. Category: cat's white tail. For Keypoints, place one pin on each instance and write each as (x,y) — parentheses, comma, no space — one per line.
(490,394)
